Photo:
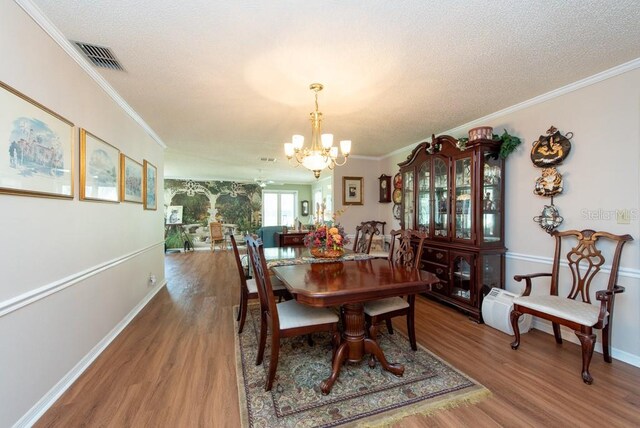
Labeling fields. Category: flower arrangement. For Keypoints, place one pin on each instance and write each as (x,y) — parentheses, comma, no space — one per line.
(327,240)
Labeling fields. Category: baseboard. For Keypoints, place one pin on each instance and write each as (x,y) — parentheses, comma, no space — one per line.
(570,336)
(32,416)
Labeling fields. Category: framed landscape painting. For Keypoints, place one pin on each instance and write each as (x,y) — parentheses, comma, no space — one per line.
(130,180)
(352,191)
(150,186)
(99,169)
(36,148)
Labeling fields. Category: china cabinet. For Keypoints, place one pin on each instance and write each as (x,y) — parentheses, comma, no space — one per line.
(455,194)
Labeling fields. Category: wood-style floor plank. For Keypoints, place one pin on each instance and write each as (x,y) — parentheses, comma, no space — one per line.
(173,366)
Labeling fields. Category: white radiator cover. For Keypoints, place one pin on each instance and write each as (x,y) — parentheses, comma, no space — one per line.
(496,311)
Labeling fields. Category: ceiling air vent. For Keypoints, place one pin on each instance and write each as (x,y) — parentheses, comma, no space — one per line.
(268,159)
(100,56)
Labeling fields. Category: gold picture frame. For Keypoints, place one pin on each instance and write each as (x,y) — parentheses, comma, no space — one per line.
(150,186)
(99,169)
(37,157)
(131,174)
(352,191)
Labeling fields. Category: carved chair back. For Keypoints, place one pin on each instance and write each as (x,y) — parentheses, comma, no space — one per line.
(236,254)
(585,260)
(255,248)
(402,251)
(364,236)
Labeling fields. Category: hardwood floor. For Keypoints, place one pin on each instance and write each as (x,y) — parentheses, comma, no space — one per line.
(173,366)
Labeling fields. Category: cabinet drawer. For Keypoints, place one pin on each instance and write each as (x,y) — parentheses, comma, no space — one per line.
(436,255)
(439,270)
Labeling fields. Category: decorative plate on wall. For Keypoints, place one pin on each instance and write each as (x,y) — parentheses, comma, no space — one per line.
(551,149)
(396,212)
(397,181)
(397,196)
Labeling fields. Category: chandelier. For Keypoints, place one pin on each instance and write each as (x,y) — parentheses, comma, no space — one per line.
(322,153)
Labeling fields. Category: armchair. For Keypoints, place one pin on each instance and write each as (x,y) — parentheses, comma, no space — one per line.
(584,261)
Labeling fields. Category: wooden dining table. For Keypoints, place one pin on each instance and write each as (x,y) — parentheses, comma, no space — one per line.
(349,284)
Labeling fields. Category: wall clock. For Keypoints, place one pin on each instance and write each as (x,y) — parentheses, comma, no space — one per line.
(384,188)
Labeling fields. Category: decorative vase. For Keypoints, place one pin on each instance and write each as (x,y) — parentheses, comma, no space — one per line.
(326,253)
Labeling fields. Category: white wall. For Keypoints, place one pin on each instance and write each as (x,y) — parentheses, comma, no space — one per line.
(601,174)
(369,170)
(72,271)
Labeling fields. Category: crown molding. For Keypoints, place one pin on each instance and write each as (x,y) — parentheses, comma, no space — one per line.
(587,81)
(39,17)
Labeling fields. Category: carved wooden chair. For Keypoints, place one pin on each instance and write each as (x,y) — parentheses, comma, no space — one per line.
(249,288)
(288,318)
(217,235)
(364,236)
(585,261)
(402,253)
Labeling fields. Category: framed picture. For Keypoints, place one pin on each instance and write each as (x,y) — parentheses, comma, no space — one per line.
(130,180)
(99,169)
(304,208)
(150,186)
(36,148)
(352,190)
(174,214)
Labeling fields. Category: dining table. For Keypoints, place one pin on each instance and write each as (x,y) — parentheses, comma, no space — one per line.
(349,284)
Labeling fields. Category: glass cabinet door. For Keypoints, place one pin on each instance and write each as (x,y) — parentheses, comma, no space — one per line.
(424,196)
(463,201)
(491,199)
(408,199)
(461,277)
(441,197)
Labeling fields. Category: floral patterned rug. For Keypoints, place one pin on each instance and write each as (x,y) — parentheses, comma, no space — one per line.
(361,396)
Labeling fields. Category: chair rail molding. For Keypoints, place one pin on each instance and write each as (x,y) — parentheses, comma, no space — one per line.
(22,300)
(626,272)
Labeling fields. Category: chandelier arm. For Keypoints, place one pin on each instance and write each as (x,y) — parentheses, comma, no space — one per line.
(340,163)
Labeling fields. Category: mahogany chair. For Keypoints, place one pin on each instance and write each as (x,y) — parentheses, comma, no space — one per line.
(286,319)
(364,236)
(584,261)
(216,235)
(249,288)
(407,255)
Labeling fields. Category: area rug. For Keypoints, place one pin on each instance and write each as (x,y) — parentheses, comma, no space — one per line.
(361,396)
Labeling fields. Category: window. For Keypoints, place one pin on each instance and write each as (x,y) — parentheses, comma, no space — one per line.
(279,208)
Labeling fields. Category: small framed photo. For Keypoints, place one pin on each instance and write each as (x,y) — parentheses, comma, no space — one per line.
(99,169)
(174,214)
(130,180)
(352,191)
(36,148)
(150,186)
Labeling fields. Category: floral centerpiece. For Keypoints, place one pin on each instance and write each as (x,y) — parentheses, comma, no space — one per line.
(327,240)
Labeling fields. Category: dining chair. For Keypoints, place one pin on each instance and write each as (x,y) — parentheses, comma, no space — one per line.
(584,260)
(402,253)
(364,236)
(249,288)
(216,235)
(288,318)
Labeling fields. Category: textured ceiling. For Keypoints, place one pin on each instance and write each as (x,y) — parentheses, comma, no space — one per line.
(224,83)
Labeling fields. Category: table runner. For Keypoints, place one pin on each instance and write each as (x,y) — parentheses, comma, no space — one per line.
(311,259)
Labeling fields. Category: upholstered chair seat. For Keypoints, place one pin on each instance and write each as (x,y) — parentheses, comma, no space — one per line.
(293,315)
(561,307)
(379,307)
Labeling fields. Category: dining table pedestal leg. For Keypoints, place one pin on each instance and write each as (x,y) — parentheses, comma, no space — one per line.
(355,346)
